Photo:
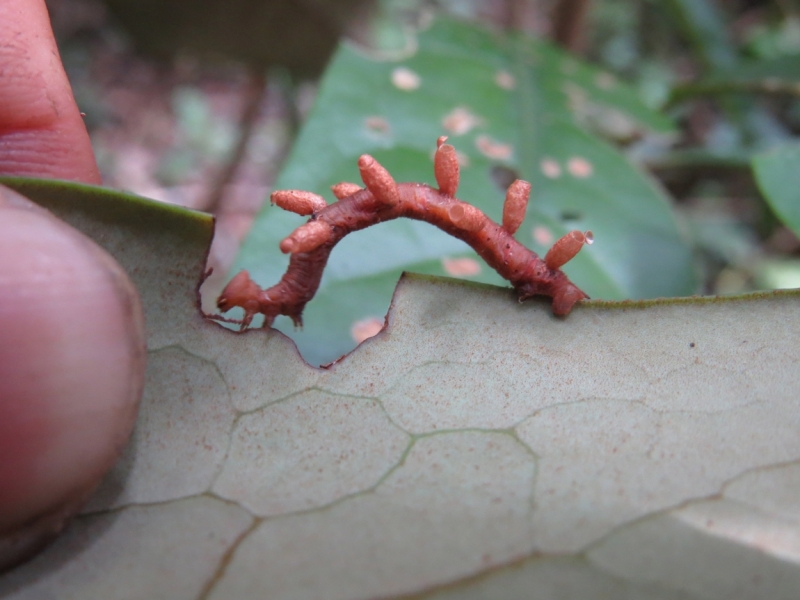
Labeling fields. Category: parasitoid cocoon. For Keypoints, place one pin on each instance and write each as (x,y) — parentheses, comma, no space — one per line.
(298,201)
(307,237)
(566,248)
(344,189)
(378,181)
(445,168)
(516,205)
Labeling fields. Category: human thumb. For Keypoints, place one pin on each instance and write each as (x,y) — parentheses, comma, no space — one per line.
(72,357)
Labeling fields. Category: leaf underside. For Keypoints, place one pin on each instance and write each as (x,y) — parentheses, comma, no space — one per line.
(513,107)
(476,448)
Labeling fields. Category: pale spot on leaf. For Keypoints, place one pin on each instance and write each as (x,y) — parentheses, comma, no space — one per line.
(406,79)
(608,122)
(365,329)
(579,167)
(605,81)
(460,121)
(542,235)
(492,149)
(569,66)
(461,267)
(576,95)
(505,80)
(550,168)
(377,125)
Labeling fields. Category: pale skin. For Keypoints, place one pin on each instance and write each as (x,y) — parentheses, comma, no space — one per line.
(71,329)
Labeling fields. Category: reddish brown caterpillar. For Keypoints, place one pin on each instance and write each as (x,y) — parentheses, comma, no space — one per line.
(382,200)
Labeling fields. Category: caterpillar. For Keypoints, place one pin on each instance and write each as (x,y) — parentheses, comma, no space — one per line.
(382,199)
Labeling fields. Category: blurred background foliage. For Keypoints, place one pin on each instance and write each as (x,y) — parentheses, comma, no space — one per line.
(669,127)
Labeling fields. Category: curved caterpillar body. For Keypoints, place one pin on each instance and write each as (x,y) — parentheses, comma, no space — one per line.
(382,199)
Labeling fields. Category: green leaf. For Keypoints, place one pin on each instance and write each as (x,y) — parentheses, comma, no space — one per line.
(777,274)
(780,69)
(749,125)
(704,27)
(778,176)
(507,104)
(774,76)
(477,448)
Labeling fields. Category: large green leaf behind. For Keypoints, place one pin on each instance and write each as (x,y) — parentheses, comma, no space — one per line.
(477,448)
(777,173)
(511,106)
